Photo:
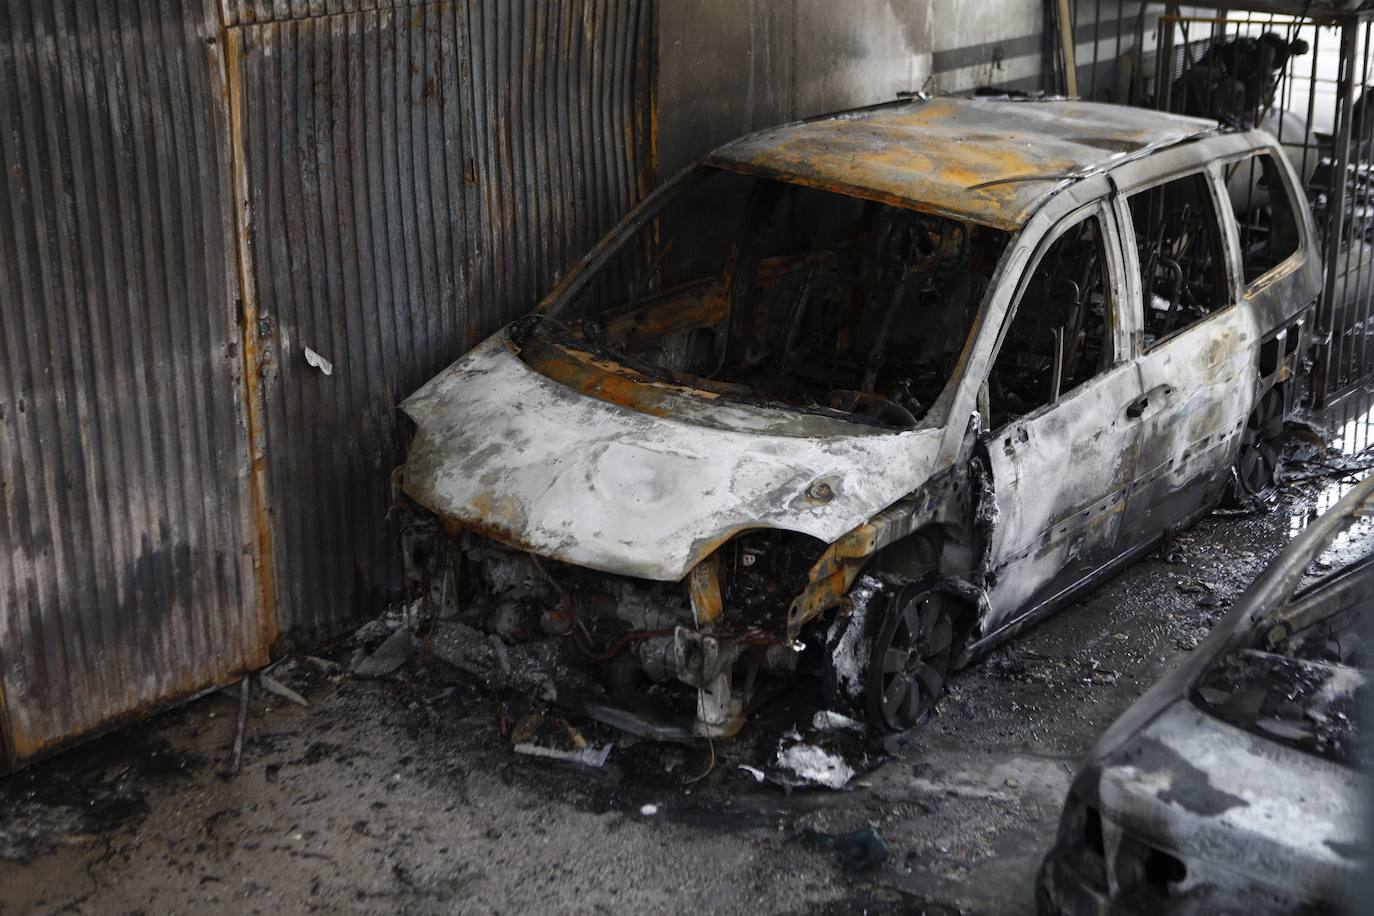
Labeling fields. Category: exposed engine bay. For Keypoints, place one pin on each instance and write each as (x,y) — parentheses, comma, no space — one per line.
(643,643)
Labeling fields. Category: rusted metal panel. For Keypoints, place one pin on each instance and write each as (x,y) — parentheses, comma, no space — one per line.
(127,571)
(953,158)
(415,175)
(248,12)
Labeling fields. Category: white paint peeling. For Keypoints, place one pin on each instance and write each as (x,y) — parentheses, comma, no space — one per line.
(319,362)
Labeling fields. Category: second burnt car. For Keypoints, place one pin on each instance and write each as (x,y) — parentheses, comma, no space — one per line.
(1238,783)
(881,387)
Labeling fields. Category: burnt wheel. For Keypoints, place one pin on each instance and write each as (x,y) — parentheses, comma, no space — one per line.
(1255,473)
(911,657)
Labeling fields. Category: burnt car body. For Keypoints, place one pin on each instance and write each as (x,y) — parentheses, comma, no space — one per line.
(906,378)
(1235,784)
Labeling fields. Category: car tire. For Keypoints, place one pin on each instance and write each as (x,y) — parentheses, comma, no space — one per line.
(1254,476)
(914,645)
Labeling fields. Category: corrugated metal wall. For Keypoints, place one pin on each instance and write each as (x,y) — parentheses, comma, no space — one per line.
(416,177)
(126,573)
(197,190)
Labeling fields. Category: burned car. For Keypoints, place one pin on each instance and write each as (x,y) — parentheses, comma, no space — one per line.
(1235,784)
(876,390)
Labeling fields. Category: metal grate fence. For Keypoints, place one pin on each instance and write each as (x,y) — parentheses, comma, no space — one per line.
(1302,71)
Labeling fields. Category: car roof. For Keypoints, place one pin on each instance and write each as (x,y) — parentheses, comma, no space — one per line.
(988,160)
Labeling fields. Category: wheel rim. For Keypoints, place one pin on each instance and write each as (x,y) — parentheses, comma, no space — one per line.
(1256,467)
(1258,462)
(911,658)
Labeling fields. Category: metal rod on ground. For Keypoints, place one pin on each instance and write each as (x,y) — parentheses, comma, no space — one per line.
(245,686)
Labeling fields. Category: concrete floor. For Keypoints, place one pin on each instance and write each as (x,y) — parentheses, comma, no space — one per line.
(403,796)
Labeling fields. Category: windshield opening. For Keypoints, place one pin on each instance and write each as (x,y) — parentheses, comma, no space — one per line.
(768,290)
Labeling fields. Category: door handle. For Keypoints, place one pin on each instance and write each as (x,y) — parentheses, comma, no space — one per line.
(1163,395)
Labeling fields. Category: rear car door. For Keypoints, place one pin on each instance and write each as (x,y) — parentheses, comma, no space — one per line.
(1062,451)
(1280,268)
(1197,348)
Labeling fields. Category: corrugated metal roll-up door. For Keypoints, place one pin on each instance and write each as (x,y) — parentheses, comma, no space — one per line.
(197,194)
(414,176)
(126,558)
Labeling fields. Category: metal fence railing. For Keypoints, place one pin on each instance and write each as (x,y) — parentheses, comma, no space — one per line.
(1299,70)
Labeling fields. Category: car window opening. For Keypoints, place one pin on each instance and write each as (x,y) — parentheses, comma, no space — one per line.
(1058,336)
(1265,214)
(773,291)
(1178,240)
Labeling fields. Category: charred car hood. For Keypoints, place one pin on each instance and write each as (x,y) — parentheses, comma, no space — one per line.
(518,457)
(1204,789)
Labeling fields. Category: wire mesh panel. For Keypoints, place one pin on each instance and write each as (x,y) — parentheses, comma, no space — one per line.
(1300,71)
(1114,46)
(1349,221)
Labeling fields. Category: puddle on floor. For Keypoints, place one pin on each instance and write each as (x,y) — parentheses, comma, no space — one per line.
(1349,423)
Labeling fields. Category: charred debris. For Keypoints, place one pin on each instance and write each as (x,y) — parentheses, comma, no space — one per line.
(566,645)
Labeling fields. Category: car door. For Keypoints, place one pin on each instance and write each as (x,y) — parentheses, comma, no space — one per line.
(1280,267)
(1062,450)
(1197,349)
